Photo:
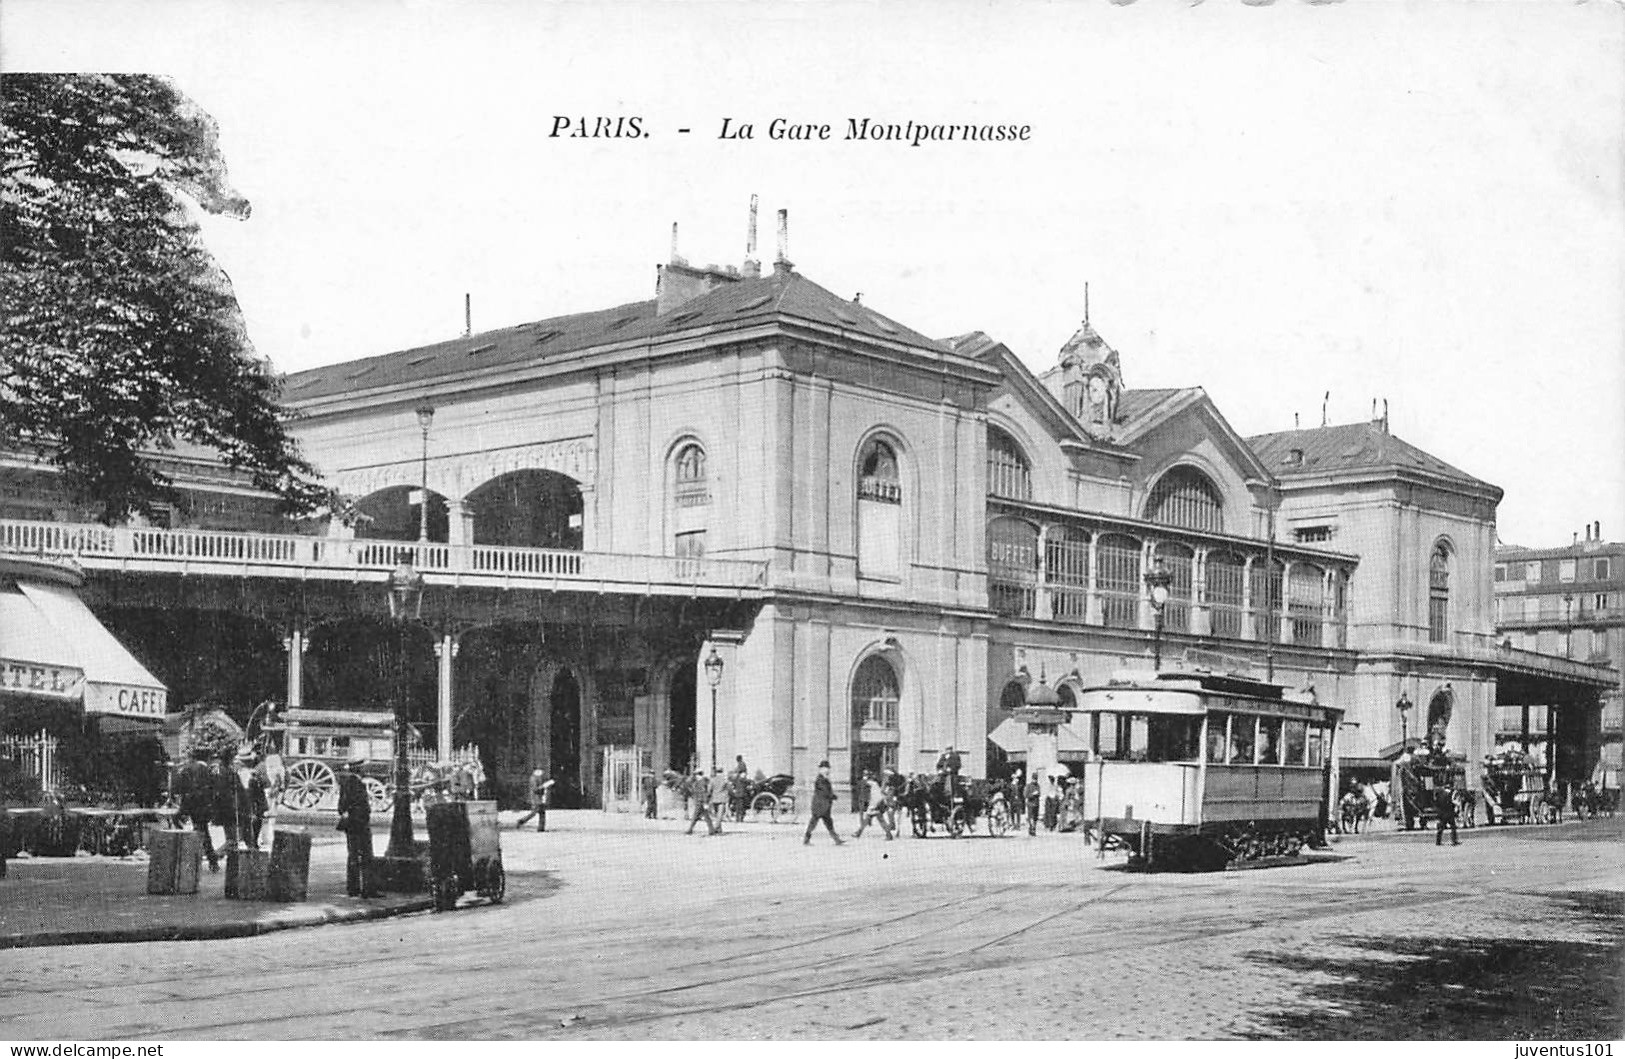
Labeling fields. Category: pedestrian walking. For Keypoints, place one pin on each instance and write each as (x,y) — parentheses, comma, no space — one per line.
(699,797)
(1034,797)
(720,792)
(541,794)
(1052,803)
(874,806)
(651,799)
(195,787)
(823,801)
(355,820)
(1444,804)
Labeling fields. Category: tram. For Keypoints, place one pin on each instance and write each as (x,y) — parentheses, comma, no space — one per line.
(1201,771)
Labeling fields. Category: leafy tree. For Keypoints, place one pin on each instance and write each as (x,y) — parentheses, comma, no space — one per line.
(122,335)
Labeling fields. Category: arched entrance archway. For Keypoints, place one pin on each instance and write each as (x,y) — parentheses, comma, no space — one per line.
(876,695)
(564,740)
(528,509)
(683,713)
(394,514)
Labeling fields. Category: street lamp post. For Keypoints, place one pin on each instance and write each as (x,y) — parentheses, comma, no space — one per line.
(1404,707)
(1157,582)
(425,414)
(405,607)
(713,676)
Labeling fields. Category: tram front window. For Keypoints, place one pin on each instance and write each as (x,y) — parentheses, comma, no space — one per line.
(1317,747)
(1147,737)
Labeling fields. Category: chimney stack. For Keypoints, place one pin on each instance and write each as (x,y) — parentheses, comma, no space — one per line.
(468,314)
(1599,530)
(782,264)
(753,264)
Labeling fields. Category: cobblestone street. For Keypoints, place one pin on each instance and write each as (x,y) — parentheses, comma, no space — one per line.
(619,928)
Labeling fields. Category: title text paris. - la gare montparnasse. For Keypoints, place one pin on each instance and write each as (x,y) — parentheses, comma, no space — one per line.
(911,133)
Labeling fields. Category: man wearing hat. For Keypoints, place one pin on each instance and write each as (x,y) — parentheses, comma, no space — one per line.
(355,820)
(541,793)
(251,801)
(823,800)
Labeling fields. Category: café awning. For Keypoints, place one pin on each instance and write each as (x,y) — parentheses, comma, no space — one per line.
(1010,735)
(53,647)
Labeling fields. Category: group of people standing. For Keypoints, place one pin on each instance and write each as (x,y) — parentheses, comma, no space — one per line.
(231,793)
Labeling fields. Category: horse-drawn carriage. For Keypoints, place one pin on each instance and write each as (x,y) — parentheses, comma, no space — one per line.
(1515,790)
(770,796)
(932,807)
(313,745)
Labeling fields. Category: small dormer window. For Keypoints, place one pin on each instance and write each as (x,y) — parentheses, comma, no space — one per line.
(1294,458)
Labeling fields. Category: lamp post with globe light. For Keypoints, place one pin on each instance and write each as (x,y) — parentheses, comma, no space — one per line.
(405,607)
(713,676)
(1404,707)
(425,414)
(1157,581)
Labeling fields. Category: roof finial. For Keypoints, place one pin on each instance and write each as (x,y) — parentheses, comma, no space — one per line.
(1085,301)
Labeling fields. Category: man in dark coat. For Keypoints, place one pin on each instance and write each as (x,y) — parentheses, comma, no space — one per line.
(823,801)
(194,785)
(226,800)
(541,793)
(252,803)
(355,820)
(948,766)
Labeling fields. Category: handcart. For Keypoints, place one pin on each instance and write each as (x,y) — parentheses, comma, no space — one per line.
(465,853)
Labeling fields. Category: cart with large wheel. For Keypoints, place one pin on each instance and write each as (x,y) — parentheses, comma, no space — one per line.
(465,853)
(315,744)
(772,798)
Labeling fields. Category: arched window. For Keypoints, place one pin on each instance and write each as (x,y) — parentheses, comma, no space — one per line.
(1439,594)
(1007,472)
(1119,581)
(1226,595)
(1066,568)
(1013,697)
(878,479)
(691,485)
(1012,567)
(880,512)
(1180,562)
(875,694)
(1187,498)
(1305,598)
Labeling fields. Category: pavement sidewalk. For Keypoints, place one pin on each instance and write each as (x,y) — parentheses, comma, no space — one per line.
(87,899)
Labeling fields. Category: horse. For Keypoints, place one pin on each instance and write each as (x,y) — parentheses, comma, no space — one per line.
(1466,806)
(1353,811)
(1550,808)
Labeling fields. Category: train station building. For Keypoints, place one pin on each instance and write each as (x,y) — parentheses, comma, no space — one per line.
(886,539)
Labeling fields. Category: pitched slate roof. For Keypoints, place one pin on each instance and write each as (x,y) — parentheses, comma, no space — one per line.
(1350,447)
(734,304)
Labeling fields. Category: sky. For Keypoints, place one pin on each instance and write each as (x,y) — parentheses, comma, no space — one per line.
(1302,208)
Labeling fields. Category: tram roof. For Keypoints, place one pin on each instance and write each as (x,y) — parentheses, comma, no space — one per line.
(1199,682)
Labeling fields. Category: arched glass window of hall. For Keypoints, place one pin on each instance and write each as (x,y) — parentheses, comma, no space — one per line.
(690,475)
(1439,593)
(875,693)
(877,474)
(1187,498)
(1007,472)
